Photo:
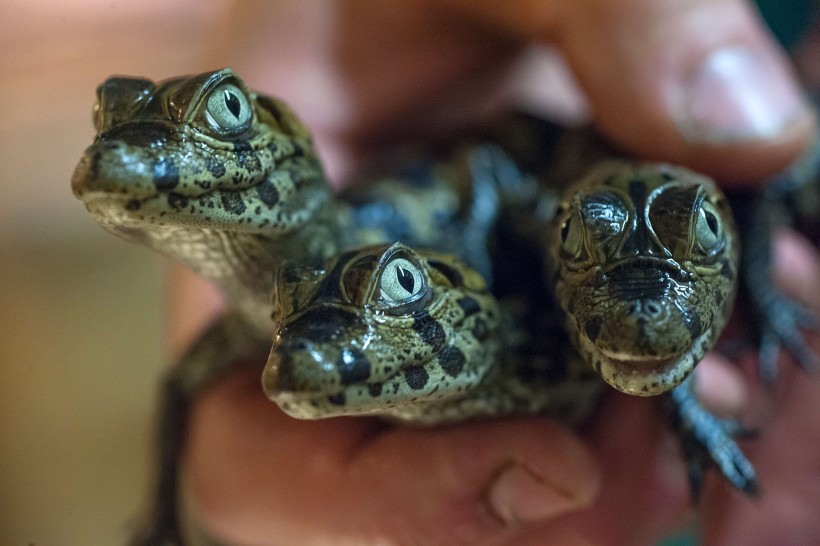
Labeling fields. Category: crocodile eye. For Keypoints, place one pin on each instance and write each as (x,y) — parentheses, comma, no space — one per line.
(572,234)
(401,282)
(228,109)
(709,228)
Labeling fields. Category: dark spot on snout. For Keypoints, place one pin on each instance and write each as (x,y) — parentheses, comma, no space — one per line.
(321,325)
(353,366)
(416,377)
(177,201)
(241,146)
(374,389)
(232,202)
(165,174)
(480,330)
(693,324)
(429,330)
(285,379)
(94,165)
(451,360)
(215,167)
(268,193)
(592,328)
(337,399)
(469,306)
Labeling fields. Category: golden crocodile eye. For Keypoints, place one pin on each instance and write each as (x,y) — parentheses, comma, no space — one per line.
(709,228)
(572,234)
(401,282)
(228,109)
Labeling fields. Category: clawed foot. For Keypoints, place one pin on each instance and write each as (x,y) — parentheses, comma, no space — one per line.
(779,318)
(709,440)
(782,319)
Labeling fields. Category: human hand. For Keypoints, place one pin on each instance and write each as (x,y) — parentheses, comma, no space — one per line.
(256,476)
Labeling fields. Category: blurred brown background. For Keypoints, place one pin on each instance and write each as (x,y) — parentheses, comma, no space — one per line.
(81,344)
(81,329)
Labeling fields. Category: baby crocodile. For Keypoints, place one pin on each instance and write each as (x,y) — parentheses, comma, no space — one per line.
(641,257)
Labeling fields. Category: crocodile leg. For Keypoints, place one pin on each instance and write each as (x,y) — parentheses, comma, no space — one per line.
(708,440)
(779,319)
(227,342)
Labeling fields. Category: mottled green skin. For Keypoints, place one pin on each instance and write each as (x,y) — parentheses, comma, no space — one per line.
(343,347)
(646,260)
(228,202)
(227,181)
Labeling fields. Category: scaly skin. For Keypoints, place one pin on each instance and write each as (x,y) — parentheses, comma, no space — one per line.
(641,258)
(228,194)
(646,260)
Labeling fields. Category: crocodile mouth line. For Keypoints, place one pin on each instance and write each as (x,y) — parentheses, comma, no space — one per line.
(644,262)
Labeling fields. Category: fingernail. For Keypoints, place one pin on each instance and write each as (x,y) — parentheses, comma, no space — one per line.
(521,495)
(738,95)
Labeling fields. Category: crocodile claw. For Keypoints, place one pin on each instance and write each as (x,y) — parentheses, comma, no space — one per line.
(708,440)
(780,328)
(778,318)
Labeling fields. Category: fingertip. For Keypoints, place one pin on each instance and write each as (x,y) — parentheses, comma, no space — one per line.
(720,386)
(797,267)
(697,83)
(532,487)
(518,472)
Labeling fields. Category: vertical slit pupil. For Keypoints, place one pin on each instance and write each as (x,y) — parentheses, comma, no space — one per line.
(711,221)
(233,104)
(405,279)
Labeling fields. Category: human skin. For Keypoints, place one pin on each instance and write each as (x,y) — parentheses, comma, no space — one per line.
(696,82)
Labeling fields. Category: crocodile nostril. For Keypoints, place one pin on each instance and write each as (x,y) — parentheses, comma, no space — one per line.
(653,309)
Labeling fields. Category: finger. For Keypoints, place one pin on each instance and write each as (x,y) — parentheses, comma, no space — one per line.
(721,386)
(787,453)
(786,457)
(258,476)
(699,83)
(644,491)
(797,267)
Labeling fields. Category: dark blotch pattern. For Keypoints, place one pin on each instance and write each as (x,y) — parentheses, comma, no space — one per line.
(593,327)
(177,201)
(337,399)
(215,167)
(353,367)
(480,330)
(374,389)
(693,324)
(469,306)
(452,360)
(416,377)
(232,202)
(429,330)
(241,146)
(268,193)
(320,325)
(285,379)
(165,174)
(453,275)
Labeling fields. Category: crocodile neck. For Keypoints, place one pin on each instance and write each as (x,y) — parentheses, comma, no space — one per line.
(243,265)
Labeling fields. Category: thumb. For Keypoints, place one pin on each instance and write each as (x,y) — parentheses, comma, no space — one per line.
(257,476)
(700,83)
